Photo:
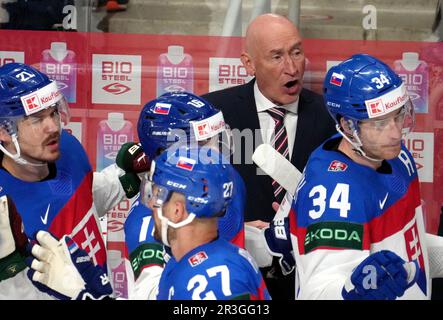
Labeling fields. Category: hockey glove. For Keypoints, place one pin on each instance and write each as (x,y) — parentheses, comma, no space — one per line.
(255,243)
(63,270)
(278,242)
(381,276)
(132,159)
(12,240)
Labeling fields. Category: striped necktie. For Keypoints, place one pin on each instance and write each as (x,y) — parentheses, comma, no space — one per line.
(280,143)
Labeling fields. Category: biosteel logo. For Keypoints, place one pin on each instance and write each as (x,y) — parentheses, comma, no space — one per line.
(116,88)
(117,71)
(116,79)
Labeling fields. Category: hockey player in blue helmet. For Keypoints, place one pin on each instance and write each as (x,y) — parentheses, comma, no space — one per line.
(172,120)
(45,172)
(188,195)
(357,221)
(32,109)
(358,99)
(188,189)
(181,117)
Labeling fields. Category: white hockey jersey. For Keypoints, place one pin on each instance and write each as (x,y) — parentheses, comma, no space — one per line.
(345,211)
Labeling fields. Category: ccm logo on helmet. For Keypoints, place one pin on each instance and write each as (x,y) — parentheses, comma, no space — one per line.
(176,185)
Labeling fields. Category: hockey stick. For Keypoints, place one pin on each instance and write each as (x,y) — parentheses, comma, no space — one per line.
(277,167)
(281,170)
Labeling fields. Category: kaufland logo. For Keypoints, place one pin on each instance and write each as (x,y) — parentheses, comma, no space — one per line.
(399,101)
(116,79)
(387,103)
(53,96)
(218,126)
(376,107)
(31,103)
(203,129)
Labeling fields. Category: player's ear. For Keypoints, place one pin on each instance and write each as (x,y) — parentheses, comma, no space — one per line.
(248,63)
(4,135)
(179,208)
(345,124)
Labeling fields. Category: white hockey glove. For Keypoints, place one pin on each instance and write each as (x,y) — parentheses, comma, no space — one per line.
(273,241)
(12,240)
(62,269)
(255,243)
(435,253)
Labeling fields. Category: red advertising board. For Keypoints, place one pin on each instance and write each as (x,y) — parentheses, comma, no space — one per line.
(115,74)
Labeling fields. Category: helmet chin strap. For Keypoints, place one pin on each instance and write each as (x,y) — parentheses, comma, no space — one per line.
(357,146)
(17,157)
(164,227)
(165,224)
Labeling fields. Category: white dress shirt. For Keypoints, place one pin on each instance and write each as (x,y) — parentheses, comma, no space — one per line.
(267,124)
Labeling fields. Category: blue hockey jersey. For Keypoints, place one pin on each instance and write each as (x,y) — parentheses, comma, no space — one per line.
(214,271)
(345,211)
(139,229)
(61,205)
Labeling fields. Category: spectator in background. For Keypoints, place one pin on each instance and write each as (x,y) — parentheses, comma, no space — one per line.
(36,14)
(113,5)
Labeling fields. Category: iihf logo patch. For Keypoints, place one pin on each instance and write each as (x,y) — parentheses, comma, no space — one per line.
(198,258)
(337,166)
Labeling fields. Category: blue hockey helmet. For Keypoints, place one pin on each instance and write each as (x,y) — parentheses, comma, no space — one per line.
(202,175)
(177,116)
(25,91)
(363,87)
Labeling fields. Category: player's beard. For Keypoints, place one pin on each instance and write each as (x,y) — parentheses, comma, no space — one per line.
(50,150)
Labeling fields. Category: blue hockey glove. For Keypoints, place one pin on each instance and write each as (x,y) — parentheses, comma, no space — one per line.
(63,270)
(278,242)
(381,276)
